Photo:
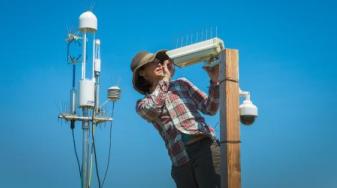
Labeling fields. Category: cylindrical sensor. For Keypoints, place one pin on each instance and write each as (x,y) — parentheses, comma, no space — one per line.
(97,65)
(114,93)
(73,101)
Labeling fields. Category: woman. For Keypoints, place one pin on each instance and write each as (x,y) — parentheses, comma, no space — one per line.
(173,107)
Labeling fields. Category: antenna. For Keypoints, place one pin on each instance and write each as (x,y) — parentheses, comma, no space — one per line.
(182,41)
(92,5)
(211,33)
(187,39)
(216,31)
(88,93)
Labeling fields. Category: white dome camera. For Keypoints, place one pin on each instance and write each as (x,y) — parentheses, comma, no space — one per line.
(248,111)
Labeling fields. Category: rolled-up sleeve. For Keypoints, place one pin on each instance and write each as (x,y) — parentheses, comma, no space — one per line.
(206,104)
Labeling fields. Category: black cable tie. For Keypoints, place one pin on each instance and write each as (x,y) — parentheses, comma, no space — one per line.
(230,142)
(72,124)
(229,79)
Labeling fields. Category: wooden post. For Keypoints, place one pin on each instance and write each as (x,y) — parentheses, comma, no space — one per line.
(230,119)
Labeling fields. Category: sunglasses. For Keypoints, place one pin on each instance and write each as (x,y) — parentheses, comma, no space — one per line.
(156,62)
(160,59)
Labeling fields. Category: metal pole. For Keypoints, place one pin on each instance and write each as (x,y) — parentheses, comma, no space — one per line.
(85,151)
(230,120)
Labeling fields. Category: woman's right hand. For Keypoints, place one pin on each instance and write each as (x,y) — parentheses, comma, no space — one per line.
(167,67)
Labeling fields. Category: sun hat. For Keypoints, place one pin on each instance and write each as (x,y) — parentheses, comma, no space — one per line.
(140,59)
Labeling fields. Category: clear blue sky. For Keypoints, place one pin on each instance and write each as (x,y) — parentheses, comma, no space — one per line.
(288,60)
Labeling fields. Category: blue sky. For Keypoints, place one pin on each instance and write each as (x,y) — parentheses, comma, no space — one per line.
(288,60)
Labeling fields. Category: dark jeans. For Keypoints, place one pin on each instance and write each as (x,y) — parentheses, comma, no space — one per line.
(203,170)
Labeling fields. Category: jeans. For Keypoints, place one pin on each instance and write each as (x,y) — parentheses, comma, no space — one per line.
(203,169)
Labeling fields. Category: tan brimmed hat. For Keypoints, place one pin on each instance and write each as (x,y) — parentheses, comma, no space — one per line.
(142,58)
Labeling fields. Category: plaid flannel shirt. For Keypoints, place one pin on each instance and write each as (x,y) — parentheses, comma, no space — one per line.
(173,108)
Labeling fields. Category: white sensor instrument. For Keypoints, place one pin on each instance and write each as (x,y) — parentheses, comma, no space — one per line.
(205,51)
(88,25)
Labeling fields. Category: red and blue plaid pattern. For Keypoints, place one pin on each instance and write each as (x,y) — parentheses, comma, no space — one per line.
(173,108)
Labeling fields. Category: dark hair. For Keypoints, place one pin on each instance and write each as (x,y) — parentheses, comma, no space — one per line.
(143,84)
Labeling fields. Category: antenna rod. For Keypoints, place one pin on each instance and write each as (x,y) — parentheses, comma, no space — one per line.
(93,57)
(84,54)
(73,98)
(97,71)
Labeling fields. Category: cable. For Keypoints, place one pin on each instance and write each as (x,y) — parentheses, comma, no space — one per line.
(73,61)
(95,156)
(76,154)
(108,164)
(92,131)
(90,169)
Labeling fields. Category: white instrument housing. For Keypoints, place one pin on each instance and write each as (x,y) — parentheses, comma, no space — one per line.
(87,93)
(205,51)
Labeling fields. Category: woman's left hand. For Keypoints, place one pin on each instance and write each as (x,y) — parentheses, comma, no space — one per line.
(213,73)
